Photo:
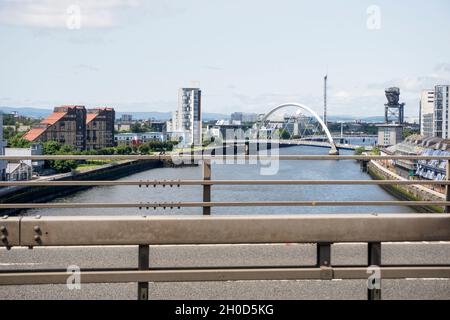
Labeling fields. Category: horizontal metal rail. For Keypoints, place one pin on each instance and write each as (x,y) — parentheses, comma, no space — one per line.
(237,274)
(157,230)
(148,230)
(220,204)
(222,157)
(216,182)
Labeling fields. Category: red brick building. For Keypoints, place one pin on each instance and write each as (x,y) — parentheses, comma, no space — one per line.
(100,128)
(83,129)
(66,125)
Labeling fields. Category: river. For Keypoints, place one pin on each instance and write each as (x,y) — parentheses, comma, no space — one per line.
(298,170)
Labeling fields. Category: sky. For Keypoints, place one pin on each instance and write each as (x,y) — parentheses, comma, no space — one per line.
(245,55)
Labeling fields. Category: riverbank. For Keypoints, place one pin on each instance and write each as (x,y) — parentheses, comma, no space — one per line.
(407,192)
(111,171)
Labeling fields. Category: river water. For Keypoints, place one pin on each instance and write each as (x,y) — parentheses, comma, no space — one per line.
(298,170)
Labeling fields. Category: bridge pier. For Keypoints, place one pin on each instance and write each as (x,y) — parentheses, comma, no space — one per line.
(364,166)
(334,150)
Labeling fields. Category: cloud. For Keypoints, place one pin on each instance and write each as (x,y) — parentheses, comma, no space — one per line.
(58,14)
(440,75)
(264,102)
(214,68)
(342,94)
(86,67)
(442,67)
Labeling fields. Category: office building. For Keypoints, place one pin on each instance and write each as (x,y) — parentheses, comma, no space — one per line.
(126,118)
(426,113)
(244,117)
(389,134)
(158,126)
(441,108)
(236,116)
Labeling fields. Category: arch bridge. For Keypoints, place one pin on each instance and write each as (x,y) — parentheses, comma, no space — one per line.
(334,150)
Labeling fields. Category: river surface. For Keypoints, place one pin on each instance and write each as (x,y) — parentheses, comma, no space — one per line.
(297,170)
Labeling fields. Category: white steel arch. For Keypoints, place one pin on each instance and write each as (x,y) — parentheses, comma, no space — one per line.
(303,107)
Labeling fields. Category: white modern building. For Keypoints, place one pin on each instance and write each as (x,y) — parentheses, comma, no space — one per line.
(426,113)
(186,122)
(136,139)
(389,134)
(441,109)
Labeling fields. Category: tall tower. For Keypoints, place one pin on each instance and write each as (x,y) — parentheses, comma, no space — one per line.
(393,111)
(189,115)
(325,99)
(391,131)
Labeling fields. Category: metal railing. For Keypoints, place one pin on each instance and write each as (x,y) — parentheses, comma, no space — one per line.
(144,231)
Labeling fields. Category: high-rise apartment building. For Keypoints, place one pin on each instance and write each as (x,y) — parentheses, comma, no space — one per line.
(441,108)
(426,113)
(186,122)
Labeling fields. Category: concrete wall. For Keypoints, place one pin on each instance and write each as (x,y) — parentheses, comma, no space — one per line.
(407,192)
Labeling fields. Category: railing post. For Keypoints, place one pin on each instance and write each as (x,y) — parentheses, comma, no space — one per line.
(324,254)
(143,264)
(206,188)
(447,187)
(192,153)
(374,260)
(247,146)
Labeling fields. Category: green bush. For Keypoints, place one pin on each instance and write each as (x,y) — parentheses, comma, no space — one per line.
(55,148)
(17,141)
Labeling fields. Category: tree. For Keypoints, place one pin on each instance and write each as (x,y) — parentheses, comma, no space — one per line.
(144,148)
(408,132)
(123,150)
(359,151)
(136,127)
(17,141)
(55,148)
(284,134)
(64,165)
(376,151)
(51,147)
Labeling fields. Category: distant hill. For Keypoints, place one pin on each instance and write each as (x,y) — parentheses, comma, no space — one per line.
(42,113)
(27,111)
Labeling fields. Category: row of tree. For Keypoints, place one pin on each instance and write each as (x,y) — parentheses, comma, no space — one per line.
(56,148)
